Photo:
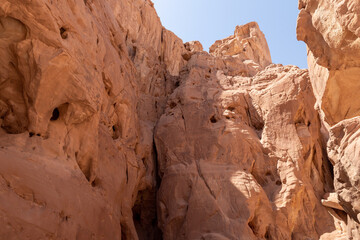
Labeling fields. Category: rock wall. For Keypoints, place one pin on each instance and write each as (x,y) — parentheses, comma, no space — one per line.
(240,157)
(331,30)
(113,128)
(82,86)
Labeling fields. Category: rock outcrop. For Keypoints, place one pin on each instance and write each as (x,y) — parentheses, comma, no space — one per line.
(331,30)
(82,86)
(241,157)
(244,53)
(113,128)
(334,43)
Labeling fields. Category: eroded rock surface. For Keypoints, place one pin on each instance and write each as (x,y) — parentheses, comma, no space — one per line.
(241,157)
(247,48)
(113,128)
(82,86)
(331,30)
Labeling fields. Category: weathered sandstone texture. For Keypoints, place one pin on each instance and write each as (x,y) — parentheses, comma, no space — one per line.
(113,128)
(331,30)
(244,53)
(242,157)
(82,84)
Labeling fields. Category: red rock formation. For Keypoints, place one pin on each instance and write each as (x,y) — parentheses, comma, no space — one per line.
(112,128)
(82,86)
(244,53)
(241,157)
(331,29)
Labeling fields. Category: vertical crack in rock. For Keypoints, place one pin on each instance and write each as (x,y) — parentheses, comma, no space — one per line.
(13,112)
(198,167)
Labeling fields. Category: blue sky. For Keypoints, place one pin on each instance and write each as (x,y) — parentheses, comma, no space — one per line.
(211,20)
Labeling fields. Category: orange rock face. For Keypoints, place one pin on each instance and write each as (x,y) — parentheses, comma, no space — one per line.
(334,42)
(82,86)
(113,128)
(240,157)
(244,53)
(331,29)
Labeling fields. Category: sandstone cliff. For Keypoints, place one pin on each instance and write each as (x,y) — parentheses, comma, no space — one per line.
(331,30)
(113,128)
(82,86)
(241,157)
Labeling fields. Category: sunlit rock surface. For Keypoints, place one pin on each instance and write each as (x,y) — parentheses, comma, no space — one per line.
(242,157)
(113,128)
(331,30)
(82,85)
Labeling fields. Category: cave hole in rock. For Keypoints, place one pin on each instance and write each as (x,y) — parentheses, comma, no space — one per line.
(55,115)
(299,122)
(213,119)
(116,132)
(253,227)
(63,33)
(328,165)
(177,84)
(95,182)
(231,108)
(278,182)
(259,126)
(172,105)
(186,56)
(267,233)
